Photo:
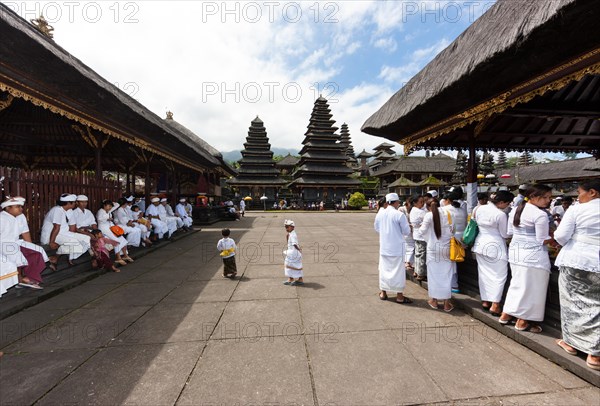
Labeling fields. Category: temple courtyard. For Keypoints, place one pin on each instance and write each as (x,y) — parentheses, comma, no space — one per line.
(169,330)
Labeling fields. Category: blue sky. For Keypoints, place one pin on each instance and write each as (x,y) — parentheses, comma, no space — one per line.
(216,65)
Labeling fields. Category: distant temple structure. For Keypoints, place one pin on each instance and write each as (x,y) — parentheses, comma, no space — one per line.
(257,175)
(346,141)
(322,173)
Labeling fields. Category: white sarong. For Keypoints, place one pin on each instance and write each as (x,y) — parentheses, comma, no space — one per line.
(439,277)
(293,263)
(392,274)
(526,297)
(492,277)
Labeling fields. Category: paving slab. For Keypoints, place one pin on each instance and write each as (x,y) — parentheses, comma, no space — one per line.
(133,294)
(358,268)
(265,271)
(202,291)
(24,323)
(24,378)
(259,318)
(173,322)
(83,328)
(75,298)
(137,375)
(550,399)
(332,286)
(164,276)
(444,351)
(254,289)
(337,314)
(271,370)
(552,371)
(368,368)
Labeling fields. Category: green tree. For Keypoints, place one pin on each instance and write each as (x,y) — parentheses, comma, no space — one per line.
(357,200)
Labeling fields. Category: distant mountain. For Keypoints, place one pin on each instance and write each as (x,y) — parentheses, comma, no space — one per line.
(230,156)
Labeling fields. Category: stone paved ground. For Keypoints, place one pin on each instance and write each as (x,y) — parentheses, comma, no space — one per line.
(169,330)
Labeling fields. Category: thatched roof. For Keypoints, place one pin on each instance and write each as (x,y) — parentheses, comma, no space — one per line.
(432,181)
(562,171)
(37,69)
(288,161)
(403,182)
(439,163)
(513,42)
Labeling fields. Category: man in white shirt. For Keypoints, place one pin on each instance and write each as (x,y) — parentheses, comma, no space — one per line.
(242,207)
(416,219)
(84,219)
(173,222)
(392,226)
(59,230)
(153,214)
(520,197)
(181,212)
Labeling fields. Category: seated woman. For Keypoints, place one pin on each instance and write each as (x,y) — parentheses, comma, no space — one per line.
(122,219)
(104,217)
(30,261)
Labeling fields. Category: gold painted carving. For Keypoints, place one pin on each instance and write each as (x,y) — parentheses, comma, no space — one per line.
(42,26)
(94,141)
(6,103)
(501,103)
(78,117)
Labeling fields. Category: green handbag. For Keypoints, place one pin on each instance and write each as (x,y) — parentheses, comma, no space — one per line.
(471,231)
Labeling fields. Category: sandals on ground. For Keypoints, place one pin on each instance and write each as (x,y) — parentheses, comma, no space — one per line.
(405,300)
(383,296)
(566,347)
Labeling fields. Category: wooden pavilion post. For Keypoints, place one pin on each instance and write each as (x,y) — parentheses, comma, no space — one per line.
(147,183)
(472,176)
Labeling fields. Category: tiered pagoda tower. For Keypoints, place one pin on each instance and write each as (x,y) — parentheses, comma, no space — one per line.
(322,173)
(257,175)
(345,140)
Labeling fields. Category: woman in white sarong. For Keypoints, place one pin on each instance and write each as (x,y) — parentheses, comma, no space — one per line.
(529,260)
(579,280)
(459,216)
(490,249)
(437,231)
(293,256)
(104,218)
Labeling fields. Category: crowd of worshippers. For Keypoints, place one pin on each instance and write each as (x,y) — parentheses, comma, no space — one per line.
(512,234)
(71,229)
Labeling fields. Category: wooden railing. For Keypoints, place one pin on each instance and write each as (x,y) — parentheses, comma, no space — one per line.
(42,188)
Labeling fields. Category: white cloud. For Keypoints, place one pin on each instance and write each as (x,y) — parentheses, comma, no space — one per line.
(173,57)
(388,44)
(401,74)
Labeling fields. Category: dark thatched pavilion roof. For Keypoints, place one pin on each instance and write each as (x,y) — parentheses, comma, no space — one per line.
(562,171)
(36,70)
(526,73)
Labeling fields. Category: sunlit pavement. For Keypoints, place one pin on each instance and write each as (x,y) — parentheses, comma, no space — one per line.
(170,330)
